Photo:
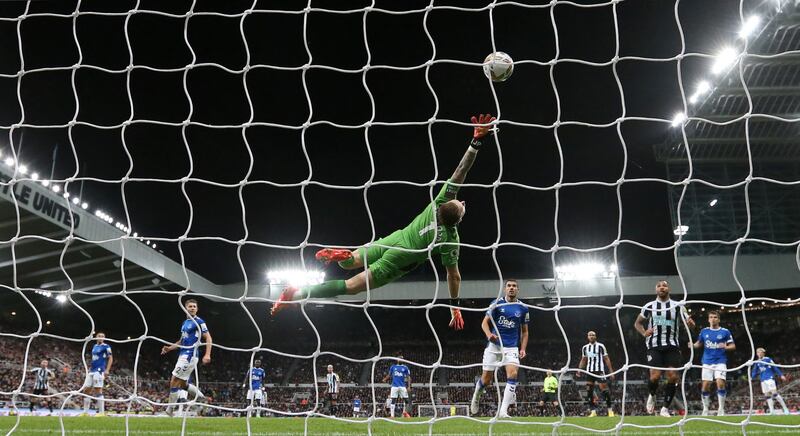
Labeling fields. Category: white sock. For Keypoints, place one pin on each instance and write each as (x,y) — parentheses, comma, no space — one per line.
(706,400)
(391,409)
(721,399)
(478,390)
(780,400)
(101,404)
(771,404)
(509,396)
(194,392)
(86,403)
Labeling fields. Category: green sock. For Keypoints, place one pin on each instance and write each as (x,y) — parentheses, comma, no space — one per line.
(347,263)
(327,289)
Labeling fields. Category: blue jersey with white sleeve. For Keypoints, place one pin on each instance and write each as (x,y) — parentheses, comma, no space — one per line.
(191,332)
(399,374)
(508,320)
(256,378)
(356,403)
(714,342)
(765,369)
(100,355)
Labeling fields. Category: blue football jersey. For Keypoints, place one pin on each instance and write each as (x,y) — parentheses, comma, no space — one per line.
(765,369)
(509,319)
(357,403)
(256,378)
(714,342)
(100,354)
(191,332)
(399,373)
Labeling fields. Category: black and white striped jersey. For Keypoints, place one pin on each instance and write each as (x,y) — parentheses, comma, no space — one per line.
(595,357)
(43,376)
(664,317)
(333,383)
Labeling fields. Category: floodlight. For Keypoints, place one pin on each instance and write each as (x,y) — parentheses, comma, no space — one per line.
(713,202)
(703,87)
(154,246)
(45,183)
(585,271)
(295,277)
(35,176)
(85,205)
(23,169)
(724,59)
(56,188)
(48,322)
(76,200)
(678,119)
(680,230)
(749,26)
(61,298)
(9,161)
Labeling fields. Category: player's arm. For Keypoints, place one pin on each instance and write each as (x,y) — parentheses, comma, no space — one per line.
(386,378)
(523,341)
(167,348)
(478,138)
(610,367)
(639,325)
(246,376)
(698,343)
(209,342)
(491,337)
(110,362)
(687,319)
(454,287)
(730,345)
(408,382)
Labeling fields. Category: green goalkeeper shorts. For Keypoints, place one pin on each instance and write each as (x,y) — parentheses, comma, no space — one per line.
(388,264)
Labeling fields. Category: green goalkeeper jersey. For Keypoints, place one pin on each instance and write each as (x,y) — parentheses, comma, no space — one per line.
(423,229)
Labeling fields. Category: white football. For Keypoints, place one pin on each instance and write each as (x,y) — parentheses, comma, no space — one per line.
(498,66)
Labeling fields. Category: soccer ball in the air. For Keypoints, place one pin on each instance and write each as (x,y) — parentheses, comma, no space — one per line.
(498,66)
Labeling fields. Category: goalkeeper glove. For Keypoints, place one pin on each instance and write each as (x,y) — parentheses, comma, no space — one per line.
(479,132)
(456,320)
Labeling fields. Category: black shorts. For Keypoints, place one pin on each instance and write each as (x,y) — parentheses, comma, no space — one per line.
(597,377)
(665,357)
(40,392)
(549,397)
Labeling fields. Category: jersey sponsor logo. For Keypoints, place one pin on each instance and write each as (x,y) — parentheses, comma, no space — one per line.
(661,320)
(502,321)
(711,345)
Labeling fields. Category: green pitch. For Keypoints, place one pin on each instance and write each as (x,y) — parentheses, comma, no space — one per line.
(322,426)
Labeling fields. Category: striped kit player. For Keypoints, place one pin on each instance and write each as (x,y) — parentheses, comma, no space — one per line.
(664,319)
(594,358)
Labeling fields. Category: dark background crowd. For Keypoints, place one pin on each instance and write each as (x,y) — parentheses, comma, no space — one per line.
(442,372)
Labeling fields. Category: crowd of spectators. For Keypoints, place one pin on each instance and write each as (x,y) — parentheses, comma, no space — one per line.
(291,381)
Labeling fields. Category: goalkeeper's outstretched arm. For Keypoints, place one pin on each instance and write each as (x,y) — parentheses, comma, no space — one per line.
(480,132)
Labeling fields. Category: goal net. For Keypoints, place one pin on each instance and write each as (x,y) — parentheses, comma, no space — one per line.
(162,153)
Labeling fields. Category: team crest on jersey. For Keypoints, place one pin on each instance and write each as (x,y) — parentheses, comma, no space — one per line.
(517,313)
(719,336)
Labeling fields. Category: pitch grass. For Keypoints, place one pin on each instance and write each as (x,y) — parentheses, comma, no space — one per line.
(729,425)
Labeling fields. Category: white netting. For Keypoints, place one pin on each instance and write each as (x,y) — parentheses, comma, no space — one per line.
(124,239)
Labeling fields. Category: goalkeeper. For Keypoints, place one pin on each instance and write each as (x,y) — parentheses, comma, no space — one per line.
(437,224)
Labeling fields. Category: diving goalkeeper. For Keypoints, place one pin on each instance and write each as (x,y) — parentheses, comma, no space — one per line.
(437,224)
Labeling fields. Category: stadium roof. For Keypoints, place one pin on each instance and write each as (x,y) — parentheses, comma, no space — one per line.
(42,251)
(771,73)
